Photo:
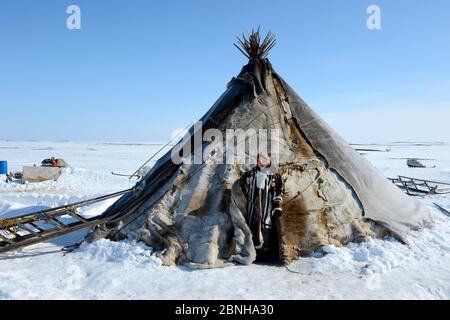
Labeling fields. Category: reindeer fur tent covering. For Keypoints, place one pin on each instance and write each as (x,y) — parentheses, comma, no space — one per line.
(194,213)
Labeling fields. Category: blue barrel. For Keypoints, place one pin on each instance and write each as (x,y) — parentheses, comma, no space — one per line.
(3,167)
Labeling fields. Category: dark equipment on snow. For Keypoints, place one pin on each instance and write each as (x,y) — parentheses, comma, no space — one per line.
(414,163)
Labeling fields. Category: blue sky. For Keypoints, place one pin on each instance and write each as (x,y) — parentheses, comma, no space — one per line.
(137,70)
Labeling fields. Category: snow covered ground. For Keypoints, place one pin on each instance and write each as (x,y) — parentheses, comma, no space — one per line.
(379,269)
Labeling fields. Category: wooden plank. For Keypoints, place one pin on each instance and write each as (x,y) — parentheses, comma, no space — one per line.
(75,215)
(55,222)
(23,227)
(36,226)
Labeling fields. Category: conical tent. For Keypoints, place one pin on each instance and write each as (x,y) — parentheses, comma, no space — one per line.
(191,206)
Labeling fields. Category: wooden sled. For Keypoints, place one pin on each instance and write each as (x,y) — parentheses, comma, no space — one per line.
(415,187)
(25,230)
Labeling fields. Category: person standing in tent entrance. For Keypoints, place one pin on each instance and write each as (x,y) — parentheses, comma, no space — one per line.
(263,189)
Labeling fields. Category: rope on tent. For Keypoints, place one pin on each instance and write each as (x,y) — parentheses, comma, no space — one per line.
(161,149)
(312,182)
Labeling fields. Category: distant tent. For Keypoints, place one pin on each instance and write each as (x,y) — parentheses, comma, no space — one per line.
(194,213)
